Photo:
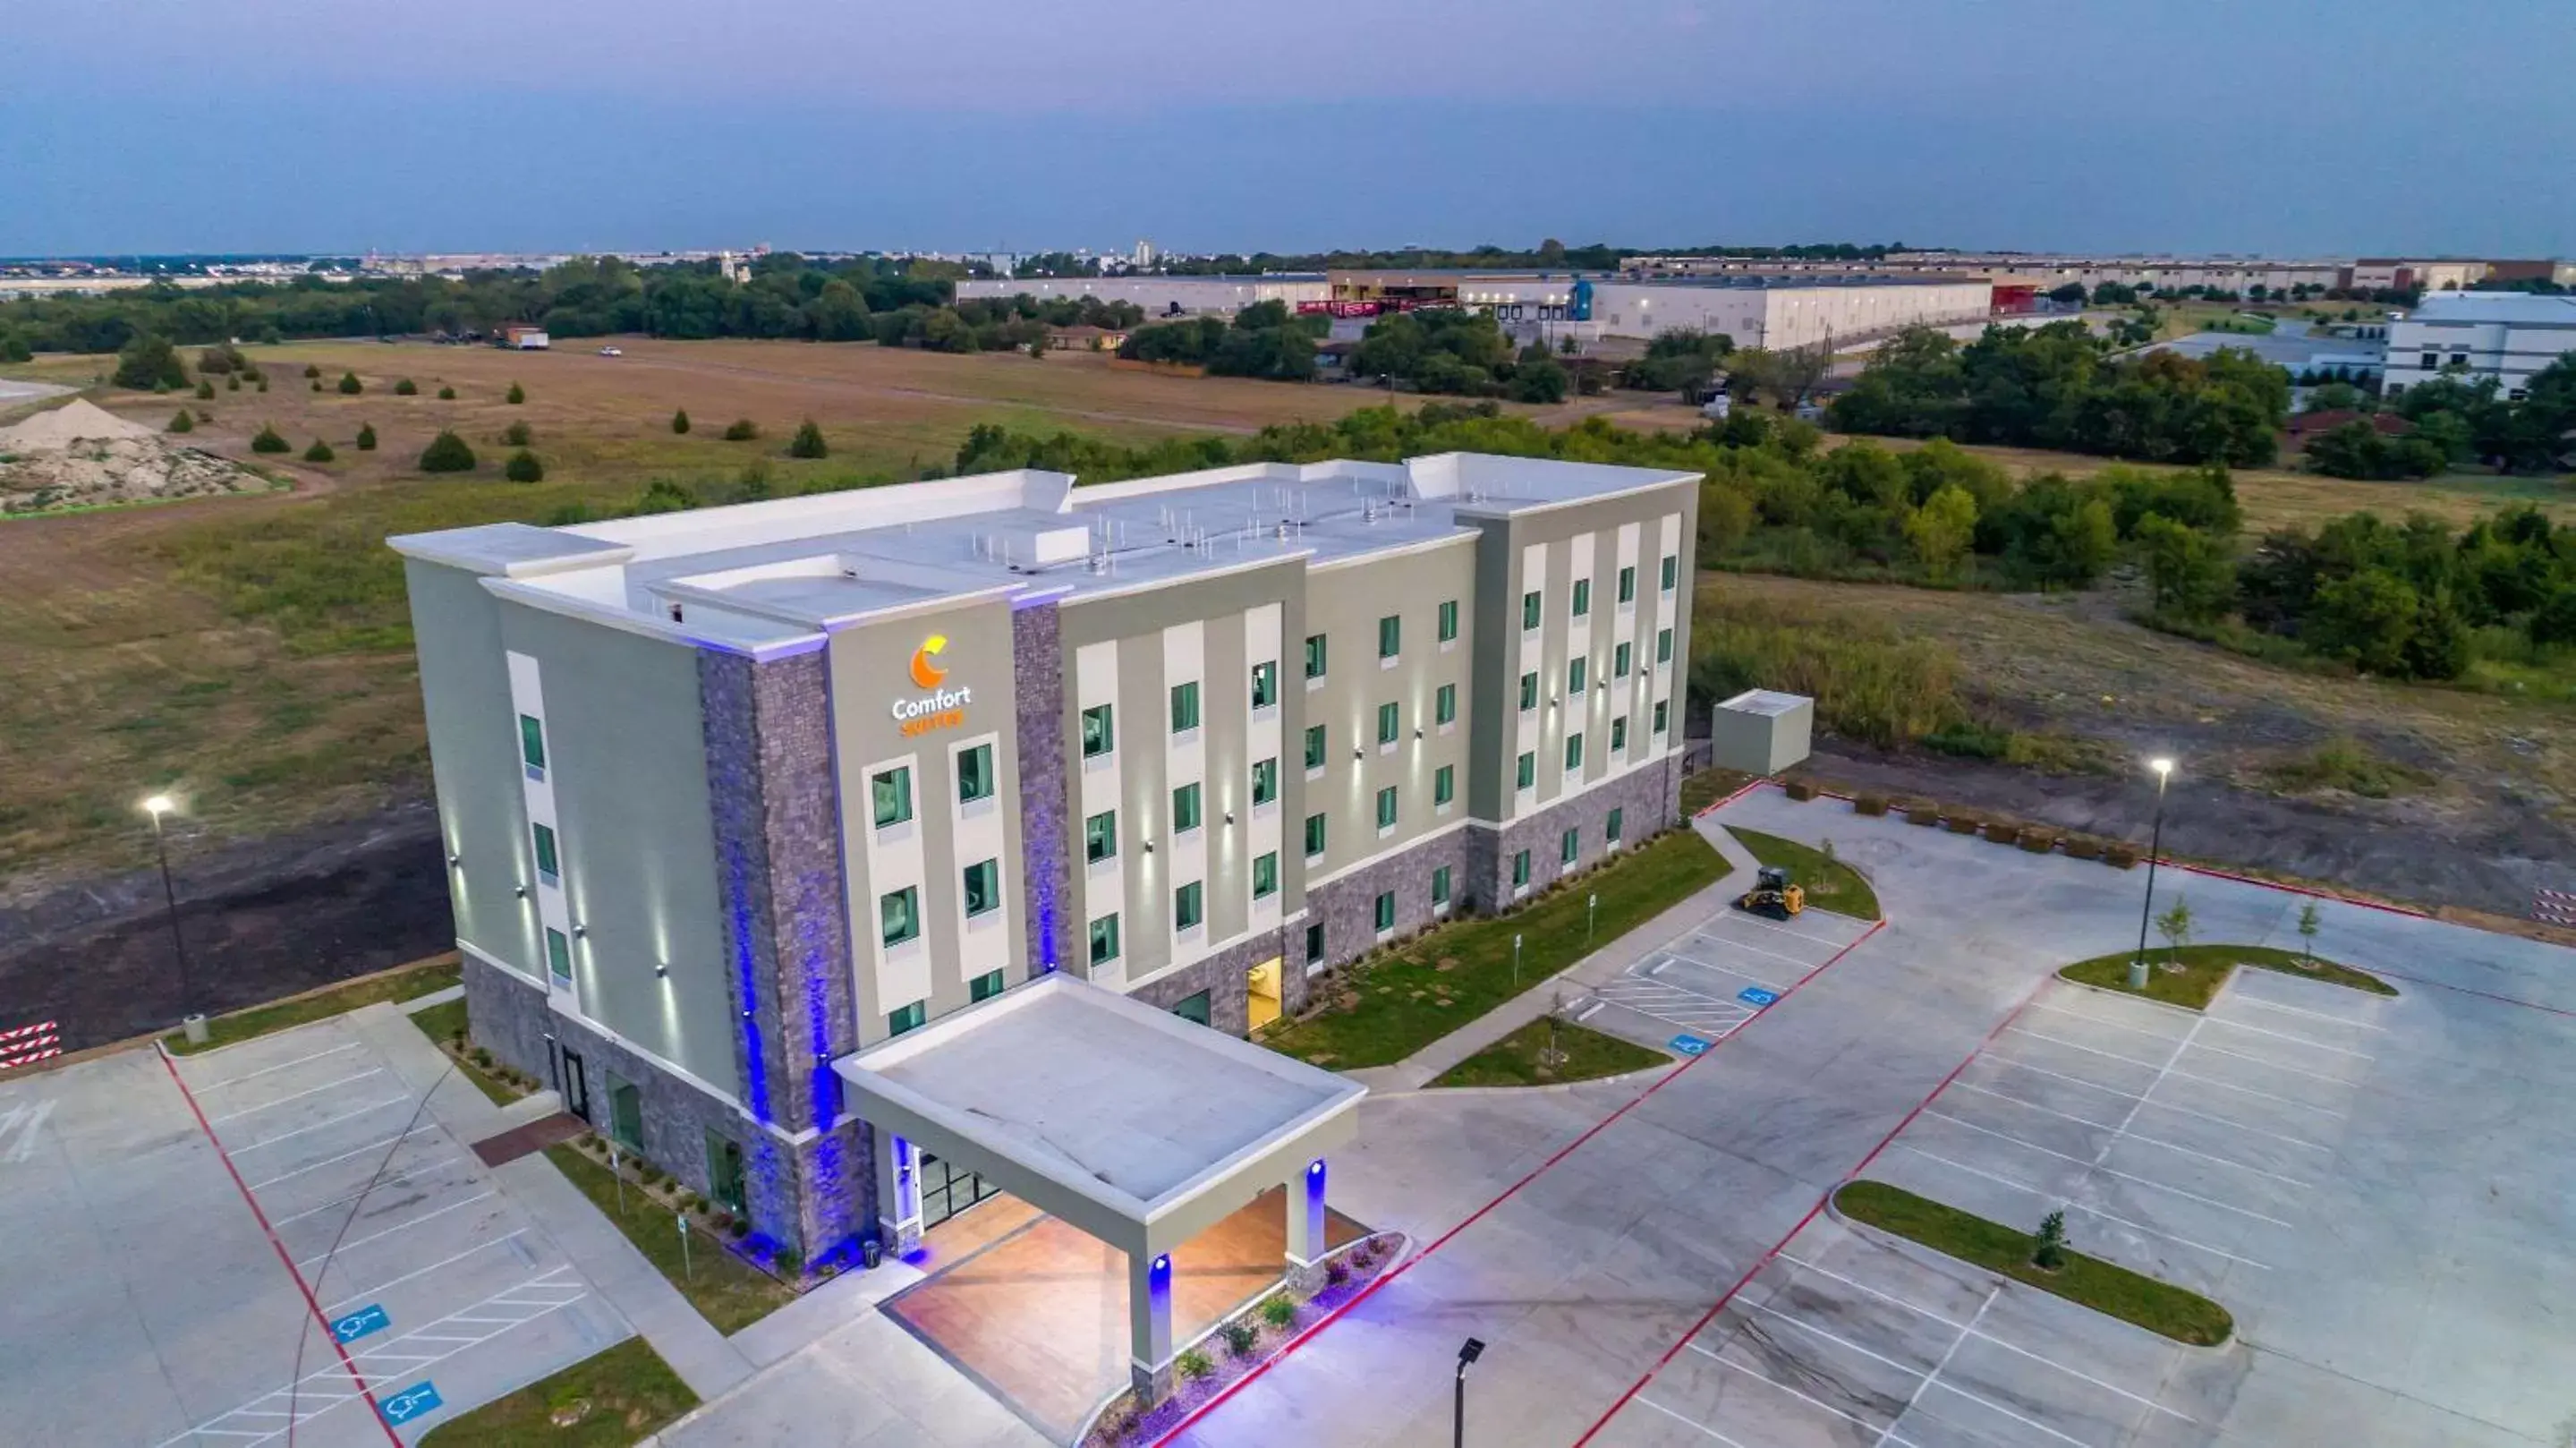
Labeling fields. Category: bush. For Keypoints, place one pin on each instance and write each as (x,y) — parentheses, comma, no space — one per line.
(1240,1338)
(680,421)
(808,442)
(149,362)
(447,394)
(740,1229)
(1279,1312)
(320,452)
(1800,790)
(523,467)
(367,437)
(1962,824)
(313,371)
(1923,814)
(406,388)
(183,422)
(790,1262)
(447,453)
(1337,1272)
(2082,847)
(2038,842)
(1870,804)
(205,390)
(263,384)
(742,429)
(516,395)
(349,384)
(2123,856)
(232,382)
(14,348)
(2002,832)
(315,384)
(516,434)
(1193,1365)
(267,440)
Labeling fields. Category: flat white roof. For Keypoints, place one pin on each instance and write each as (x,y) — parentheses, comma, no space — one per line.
(1103,1110)
(1764,701)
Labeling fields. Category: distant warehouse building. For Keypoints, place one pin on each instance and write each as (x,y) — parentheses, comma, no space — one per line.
(1755,311)
(2504,335)
(1160,296)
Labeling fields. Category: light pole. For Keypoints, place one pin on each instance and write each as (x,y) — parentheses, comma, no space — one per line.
(2155,847)
(1467,1355)
(157,806)
(1516,962)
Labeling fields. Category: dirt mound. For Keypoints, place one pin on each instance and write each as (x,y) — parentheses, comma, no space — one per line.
(81,456)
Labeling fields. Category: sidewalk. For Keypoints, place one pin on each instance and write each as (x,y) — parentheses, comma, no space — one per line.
(1419,1069)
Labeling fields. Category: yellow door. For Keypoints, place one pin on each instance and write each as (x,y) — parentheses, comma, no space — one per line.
(1263,982)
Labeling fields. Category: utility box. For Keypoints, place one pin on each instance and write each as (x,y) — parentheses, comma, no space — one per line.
(1760,732)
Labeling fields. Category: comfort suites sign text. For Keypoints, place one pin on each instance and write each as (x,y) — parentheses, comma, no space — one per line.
(938,707)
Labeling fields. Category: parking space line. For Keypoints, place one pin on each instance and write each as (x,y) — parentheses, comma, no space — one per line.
(317,1126)
(1749,950)
(2030,1190)
(364,1190)
(1812,1330)
(1994,1406)
(2190,1075)
(1929,1378)
(2240,997)
(1741,918)
(2288,1036)
(2107,1171)
(2107,1021)
(298,1096)
(2021,1065)
(344,1156)
(2120,1133)
(280,1066)
(354,1298)
(1690,1421)
(402,1227)
(1721,970)
(1762,1377)
(2270,1064)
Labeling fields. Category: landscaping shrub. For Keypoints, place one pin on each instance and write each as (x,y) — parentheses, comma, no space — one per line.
(2002,832)
(447,453)
(740,1229)
(1279,1312)
(447,394)
(313,371)
(1240,1338)
(2038,842)
(2123,856)
(790,1262)
(406,388)
(205,390)
(1870,804)
(349,384)
(366,437)
(1923,814)
(1800,790)
(1963,824)
(232,382)
(1337,1272)
(183,422)
(2079,847)
(808,442)
(680,421)
(1193,1365)
(517,395)
(320,452)
(267,440)
(741,429)
(523,467)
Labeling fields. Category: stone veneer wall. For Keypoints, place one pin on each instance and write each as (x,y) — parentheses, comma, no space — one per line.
(1224,976)
(1347,904)
(1046,814)
(1650,794)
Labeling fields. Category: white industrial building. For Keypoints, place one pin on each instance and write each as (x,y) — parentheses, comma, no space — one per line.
(2504,335)
(1160,296)
(1755,311)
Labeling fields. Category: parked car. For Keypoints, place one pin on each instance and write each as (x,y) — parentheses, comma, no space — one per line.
(612,351)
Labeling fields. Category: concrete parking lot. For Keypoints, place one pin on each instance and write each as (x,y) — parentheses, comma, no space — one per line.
(1700,989)
(181,1230)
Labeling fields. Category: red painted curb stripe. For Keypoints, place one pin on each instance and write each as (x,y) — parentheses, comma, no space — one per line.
(2409,911)
(1775,1248)
(1741,791)
(1399,1269)
(374,1409)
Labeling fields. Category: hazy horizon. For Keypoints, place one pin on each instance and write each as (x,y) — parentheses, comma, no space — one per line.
(155,126)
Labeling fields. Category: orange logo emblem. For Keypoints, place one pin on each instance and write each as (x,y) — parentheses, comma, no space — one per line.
(925,672)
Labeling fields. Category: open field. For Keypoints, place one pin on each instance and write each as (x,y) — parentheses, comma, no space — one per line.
(252,655)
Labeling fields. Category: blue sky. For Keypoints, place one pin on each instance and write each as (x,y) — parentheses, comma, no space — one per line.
(2192,125)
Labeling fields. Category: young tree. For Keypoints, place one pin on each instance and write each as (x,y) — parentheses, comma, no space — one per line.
(2175,926)
(349,384)
(447,394)
(320,452)
(741,429)
(406,388)
(232,382)
(680,421)
(313,371)
(516,434)
(2308,926)
(268,440)
(183,422)
(205,390)
(447,453)
(808,442)
(263,383)
(2048,1249)
(2188,575)
(517,395)
(1037,349)
(14,348)
(366,437)
(149,362)
(523,467)
(1941,530)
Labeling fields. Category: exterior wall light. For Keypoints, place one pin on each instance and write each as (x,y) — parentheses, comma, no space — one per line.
(581,932)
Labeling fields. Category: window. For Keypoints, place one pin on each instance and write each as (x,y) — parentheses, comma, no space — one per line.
(1664,646)
(1661,705)
(532,738)
(1100,836)
(1314,835)
(1440,886)
(1384,912)
(1098,738)
(1189,906)
(558,954)
(1386,808)
(1573,751)
(1578,672)
(1314,656)
(1672,571)
(983,887)
(1444,704)
(899,915)
(891,795)
(1265,684)
(1529,611)
(908,1019)
(1444,785)
(1185,707)
(1618,735)
(1389,723)
(1314,746)
(1529,691)
(1265,875)
(1525,772)
(1315,942)
(1628,584)
(1520,869)
(984,987)
(1619,662)
(548,867)
(1185,808)
(625,1113)
(2432,361)
(1390,636)
(1265,781)
(1192,1008)
(1570,845)
(1582,597)
(975,774)
(1104,939)
(1449,621)
(1611,830)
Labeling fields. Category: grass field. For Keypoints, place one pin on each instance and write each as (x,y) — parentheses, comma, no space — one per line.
(609,1400)
(408,983)
(1515,1059)
(252,655)
(728,1292)
(1830,883)
(2159,1307)
(2191,976)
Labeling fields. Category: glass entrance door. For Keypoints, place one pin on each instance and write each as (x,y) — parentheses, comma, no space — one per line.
(947,1189)
(576,1090)
(1262,986)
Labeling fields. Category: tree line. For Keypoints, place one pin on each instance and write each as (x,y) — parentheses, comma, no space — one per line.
(1263,340)
(2450,420)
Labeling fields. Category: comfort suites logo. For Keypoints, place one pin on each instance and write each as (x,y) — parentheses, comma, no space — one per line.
(937,707)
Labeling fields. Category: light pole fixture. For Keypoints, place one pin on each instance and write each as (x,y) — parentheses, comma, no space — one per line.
(1473,1349)
(157,806)
(2155,846)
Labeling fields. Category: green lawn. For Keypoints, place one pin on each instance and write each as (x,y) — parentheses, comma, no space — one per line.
(2159,1307)
(611,1399)
(1709,786)
(1831,884)
(444,1022)
(1514,1060)
(392,985)
(728,1292)
(2205,968)
(1404,1000)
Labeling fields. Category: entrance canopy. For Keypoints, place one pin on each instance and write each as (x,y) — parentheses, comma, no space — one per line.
(1139,1127)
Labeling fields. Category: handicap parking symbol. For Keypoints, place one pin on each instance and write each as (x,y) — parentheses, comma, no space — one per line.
(421,1397)
(358,1324)
(1754,995)
(1688,1045)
